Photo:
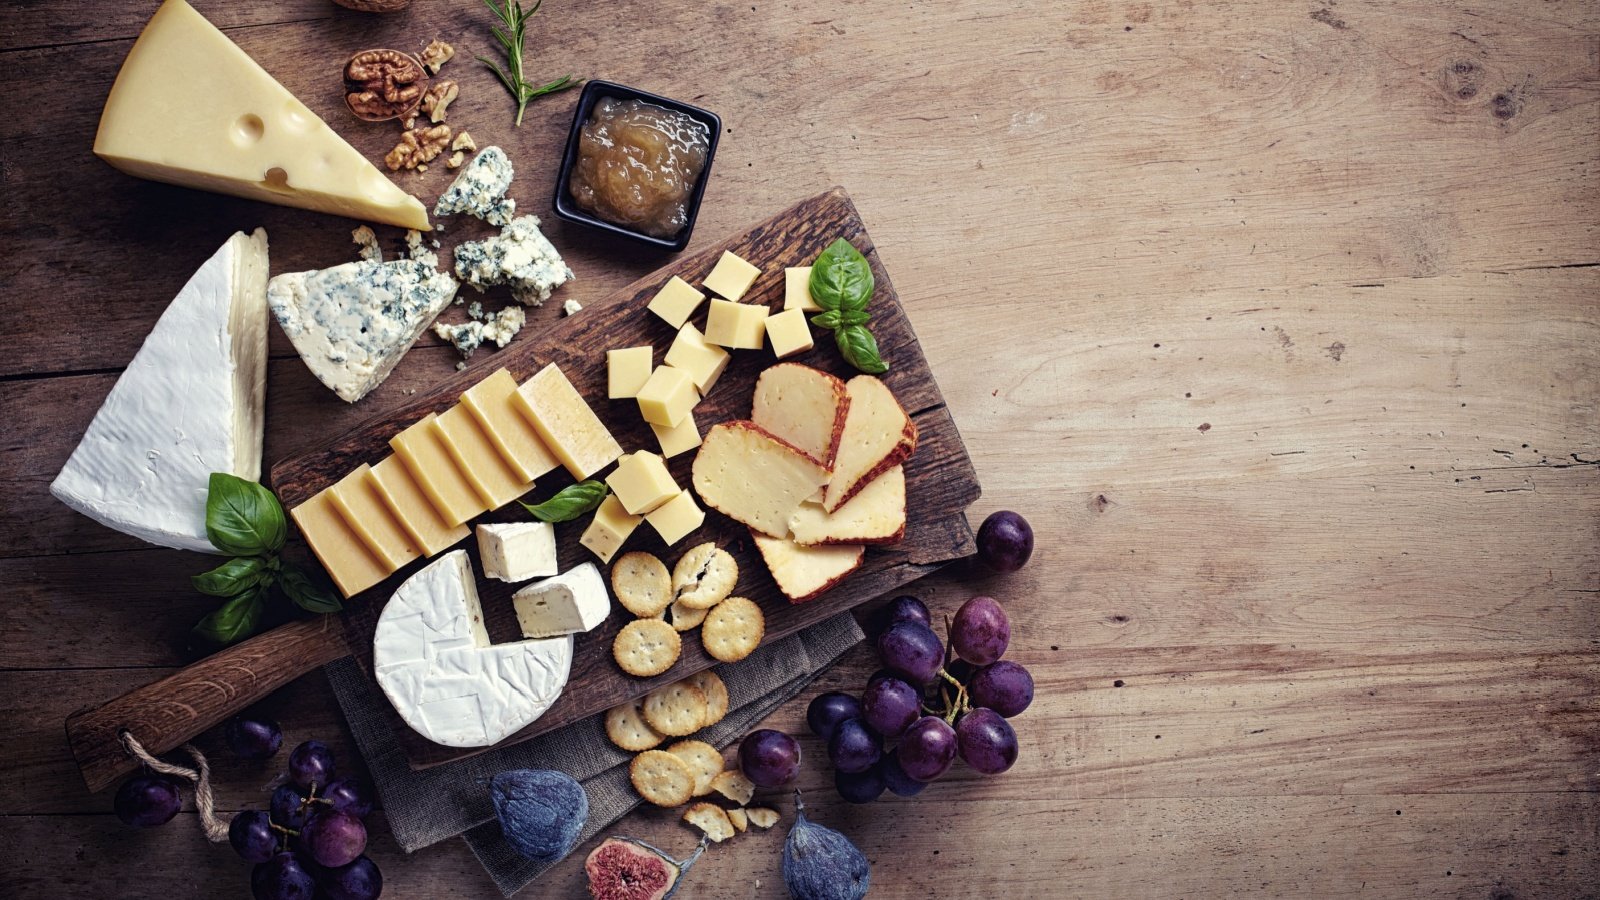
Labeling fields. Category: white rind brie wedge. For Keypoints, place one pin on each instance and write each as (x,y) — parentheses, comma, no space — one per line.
(432,657)
(190,403)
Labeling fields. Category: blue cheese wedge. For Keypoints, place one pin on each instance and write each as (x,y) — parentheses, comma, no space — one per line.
(352,323)
(519,257)
(480,189)
(190,403)
(572,602)
(432,657)
(518,551)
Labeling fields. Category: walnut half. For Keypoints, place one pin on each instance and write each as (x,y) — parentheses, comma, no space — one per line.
(438,98)
(418,146)
(383,84)
(436,54)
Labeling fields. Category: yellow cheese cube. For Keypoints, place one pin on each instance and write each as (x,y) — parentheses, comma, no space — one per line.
(739,326)
(361,506)
(348,561)
(641,482)
(676,518)
(702,361)
(681,439)
(731,276)
(626,371)
(667,397)
(411,508)
(565,423)
(789,333)
(423,452)
(490,402)
(797,290)
(676,301)
(486,470)
(610,527)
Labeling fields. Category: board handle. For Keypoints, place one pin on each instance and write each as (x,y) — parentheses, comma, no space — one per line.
(169,712)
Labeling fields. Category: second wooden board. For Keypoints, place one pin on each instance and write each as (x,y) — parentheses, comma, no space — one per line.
(940,481)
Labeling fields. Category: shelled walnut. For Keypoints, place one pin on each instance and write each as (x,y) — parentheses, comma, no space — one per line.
(418,146)
(438,98)
(383,84)
(436,54)
(465,142)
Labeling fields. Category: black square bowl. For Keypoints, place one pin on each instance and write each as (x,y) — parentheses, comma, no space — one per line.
(569,210)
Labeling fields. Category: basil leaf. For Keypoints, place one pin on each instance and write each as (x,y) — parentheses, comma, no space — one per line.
(569,502)
(232,577)
(860,349)
(841,278)
(305,593)
(242,517)
(233,621)
(829,319)
(854,317)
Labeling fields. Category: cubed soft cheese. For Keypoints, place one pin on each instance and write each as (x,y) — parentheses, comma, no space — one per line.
(572,602)
(517,551)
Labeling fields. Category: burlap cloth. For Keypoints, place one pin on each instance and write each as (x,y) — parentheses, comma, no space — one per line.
(427,806)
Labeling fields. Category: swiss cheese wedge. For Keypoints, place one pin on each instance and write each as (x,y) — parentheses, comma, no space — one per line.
(754,478)
(878,435)
(803,406)
(802,573)
(876,515)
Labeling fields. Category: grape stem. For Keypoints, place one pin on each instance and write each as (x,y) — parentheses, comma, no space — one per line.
(956,708)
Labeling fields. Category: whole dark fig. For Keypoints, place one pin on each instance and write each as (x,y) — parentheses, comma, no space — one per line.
(541,812)
(820,863)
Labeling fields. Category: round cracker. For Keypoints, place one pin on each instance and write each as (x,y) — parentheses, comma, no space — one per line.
(733,629)
(646,647)
(703,760)
(685,617)
(675,709)
(661,778)
(704,576)
(627,728)
(642,584)
(711,684)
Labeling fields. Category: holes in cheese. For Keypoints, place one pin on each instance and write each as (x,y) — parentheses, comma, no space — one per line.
(754,478)
(877,436)
(802,573)
(803,406)
(876,515)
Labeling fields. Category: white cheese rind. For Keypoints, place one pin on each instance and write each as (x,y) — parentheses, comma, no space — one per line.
(517,551)
(572,602)
(433,660)
(351,324)
(190,403)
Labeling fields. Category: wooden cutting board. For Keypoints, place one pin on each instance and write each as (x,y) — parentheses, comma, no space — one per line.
(940,481)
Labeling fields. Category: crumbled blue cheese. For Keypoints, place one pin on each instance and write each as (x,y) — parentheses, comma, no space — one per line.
(480,189)
(520,257)
(466,337)
(368,242)
(418,251)
(352,323)
(498,329)
(572,307)
(504,325)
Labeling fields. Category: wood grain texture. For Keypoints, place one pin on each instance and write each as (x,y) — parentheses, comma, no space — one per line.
(940,481)
(1407,190)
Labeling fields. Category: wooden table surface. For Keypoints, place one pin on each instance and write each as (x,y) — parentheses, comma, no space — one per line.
(1279,320)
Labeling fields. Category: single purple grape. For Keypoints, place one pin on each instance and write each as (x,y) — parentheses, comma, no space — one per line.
(360,880)
(334,838)
(906,608)
(828,710)
(287,807)
(349,795)
(769,758)
(912,651)
(1005,541)
(896,779)
(890,706)
(253,738)
(859,787)
(282,878)
(147,800)
(252,836)
(927,748)
(1005,687)
(853,747)
(311,764)
(980,631)
(988,742)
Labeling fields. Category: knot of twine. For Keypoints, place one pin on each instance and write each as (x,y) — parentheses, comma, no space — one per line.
(216,830)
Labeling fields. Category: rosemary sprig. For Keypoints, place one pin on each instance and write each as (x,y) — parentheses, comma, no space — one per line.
(515,19)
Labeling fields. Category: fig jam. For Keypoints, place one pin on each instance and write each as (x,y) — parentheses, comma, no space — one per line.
(638,164)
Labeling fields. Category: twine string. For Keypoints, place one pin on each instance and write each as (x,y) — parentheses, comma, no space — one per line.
(216,830)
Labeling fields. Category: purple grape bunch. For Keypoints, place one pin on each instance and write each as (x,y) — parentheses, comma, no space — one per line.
(929,705)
